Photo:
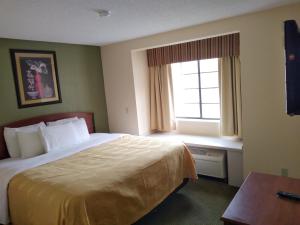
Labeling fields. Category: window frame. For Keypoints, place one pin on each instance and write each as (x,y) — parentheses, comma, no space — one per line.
(200,97)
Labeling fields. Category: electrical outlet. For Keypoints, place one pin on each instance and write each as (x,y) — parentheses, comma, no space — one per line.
(284,172)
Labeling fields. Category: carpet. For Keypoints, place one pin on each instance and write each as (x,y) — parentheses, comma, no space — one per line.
(199,203)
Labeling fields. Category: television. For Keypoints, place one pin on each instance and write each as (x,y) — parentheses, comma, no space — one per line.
(292,57)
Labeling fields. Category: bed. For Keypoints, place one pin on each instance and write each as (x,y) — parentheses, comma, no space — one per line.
(111,179)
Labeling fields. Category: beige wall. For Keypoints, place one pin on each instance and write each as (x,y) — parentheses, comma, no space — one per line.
(119,91)
(271,138)
(142,90)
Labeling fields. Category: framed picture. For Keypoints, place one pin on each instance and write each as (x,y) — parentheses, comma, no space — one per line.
(36,77)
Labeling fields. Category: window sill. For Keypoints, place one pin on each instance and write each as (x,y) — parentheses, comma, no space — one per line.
(221,143)
(197,120)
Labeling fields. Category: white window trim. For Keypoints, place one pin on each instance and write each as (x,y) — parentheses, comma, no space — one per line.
(198,120)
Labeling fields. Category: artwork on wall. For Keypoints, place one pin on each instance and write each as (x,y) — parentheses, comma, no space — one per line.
(36,77)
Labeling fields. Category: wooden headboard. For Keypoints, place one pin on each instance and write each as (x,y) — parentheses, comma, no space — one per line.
(88,116)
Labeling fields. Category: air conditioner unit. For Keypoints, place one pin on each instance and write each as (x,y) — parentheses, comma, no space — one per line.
(210,162)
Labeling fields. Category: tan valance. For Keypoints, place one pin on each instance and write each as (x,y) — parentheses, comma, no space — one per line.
(216,47)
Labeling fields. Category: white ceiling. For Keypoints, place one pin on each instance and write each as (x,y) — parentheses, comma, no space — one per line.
(75,21)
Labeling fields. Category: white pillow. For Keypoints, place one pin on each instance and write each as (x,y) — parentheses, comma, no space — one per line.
(59,136)
(62,121)
(10,136)
(30,143)
(81,129)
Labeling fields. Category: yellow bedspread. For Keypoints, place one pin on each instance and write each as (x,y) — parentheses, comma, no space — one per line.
(115,183)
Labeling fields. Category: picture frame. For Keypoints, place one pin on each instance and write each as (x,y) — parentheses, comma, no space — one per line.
(36,77)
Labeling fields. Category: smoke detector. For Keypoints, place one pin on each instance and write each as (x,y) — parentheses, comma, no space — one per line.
(103,12)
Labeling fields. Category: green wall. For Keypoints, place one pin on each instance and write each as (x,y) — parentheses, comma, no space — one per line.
(80,76)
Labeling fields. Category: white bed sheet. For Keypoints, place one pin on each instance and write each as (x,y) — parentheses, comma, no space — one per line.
(11,167)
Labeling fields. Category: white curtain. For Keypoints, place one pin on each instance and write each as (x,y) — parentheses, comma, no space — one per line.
(161,98)
(230,92)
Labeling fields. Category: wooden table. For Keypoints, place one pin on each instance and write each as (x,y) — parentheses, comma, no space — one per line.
(256,202)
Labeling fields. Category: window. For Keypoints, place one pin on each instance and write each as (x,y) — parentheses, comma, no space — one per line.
(196,89)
